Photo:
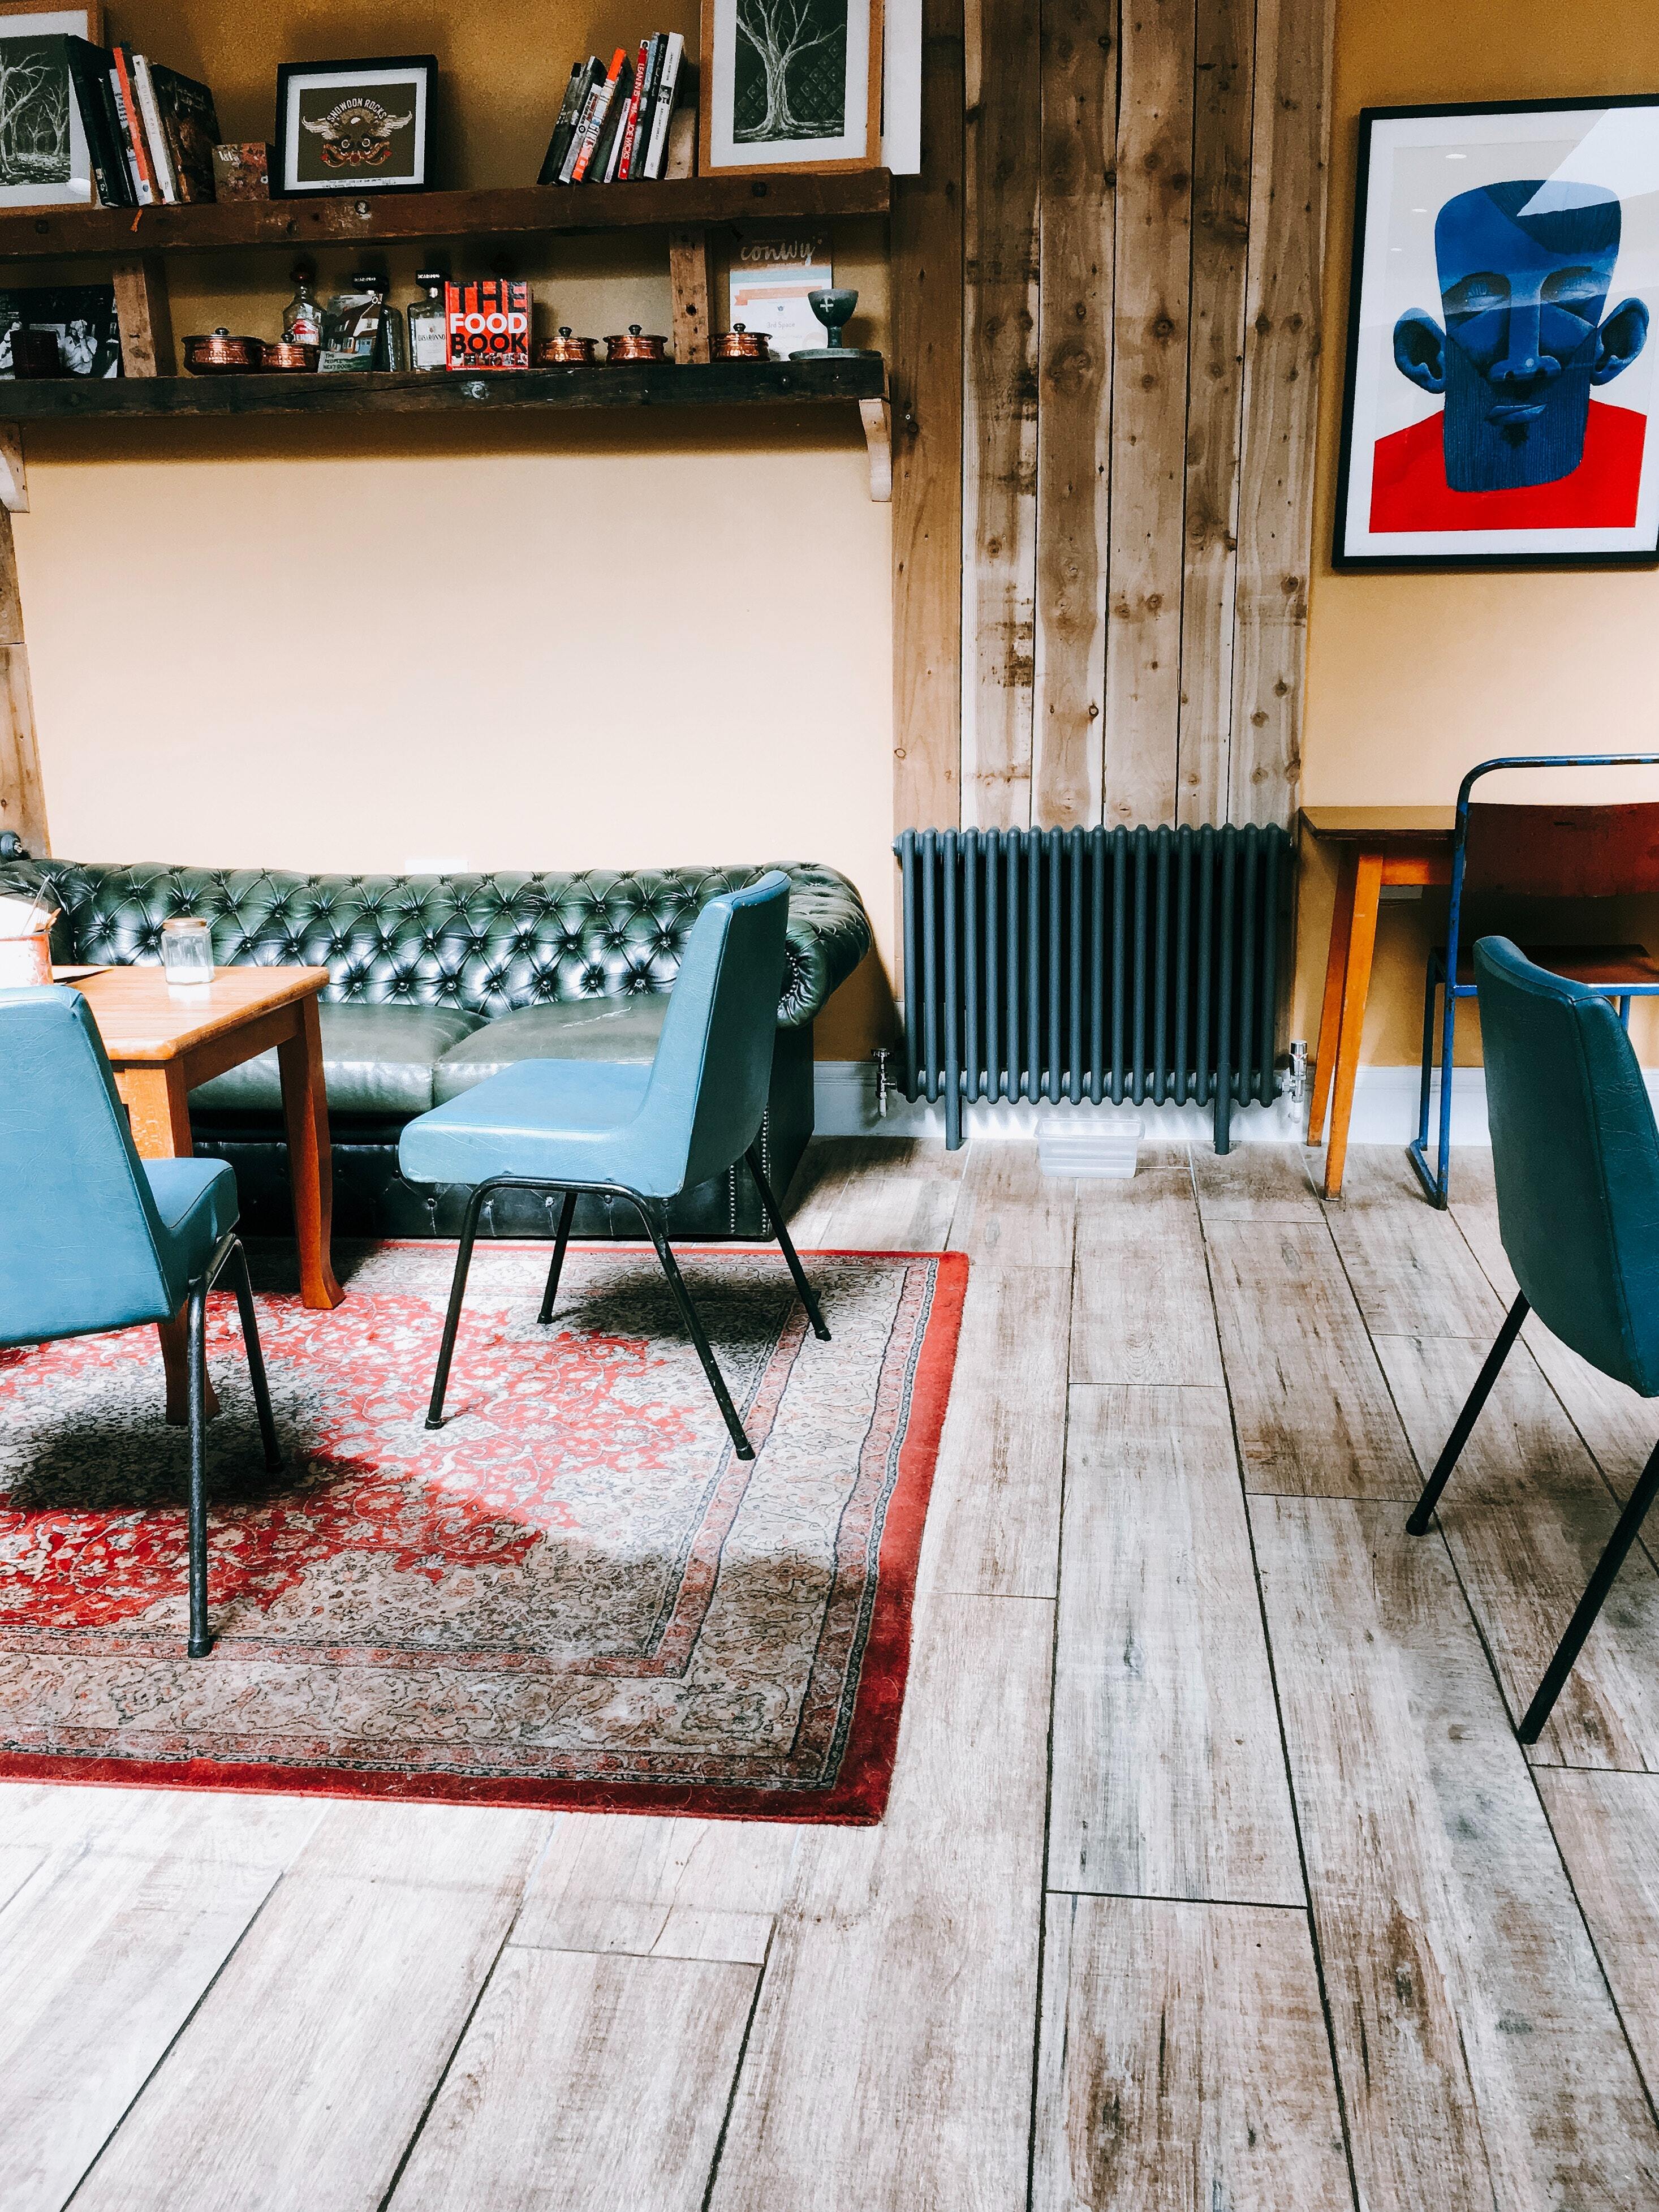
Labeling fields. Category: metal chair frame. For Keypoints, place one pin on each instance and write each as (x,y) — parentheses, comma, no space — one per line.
(653,1212)
(1443,967)
(228,1250)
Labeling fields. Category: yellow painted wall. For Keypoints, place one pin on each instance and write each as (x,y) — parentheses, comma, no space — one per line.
(1413,678)
(587,641)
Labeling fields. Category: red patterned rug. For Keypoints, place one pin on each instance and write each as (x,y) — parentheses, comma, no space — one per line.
(574,1594)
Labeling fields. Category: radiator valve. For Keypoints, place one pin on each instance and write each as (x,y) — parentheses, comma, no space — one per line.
(1298,1085)
(879,1056)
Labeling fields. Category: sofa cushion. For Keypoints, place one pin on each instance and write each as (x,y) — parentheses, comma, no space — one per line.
(622,1029)
(376,1060)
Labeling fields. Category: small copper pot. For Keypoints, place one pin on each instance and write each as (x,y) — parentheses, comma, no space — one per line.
(554,352)
(740,343)
(289,357)
(221,355)
(631,345)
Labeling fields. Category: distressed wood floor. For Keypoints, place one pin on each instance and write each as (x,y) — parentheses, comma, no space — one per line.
(1214,1879)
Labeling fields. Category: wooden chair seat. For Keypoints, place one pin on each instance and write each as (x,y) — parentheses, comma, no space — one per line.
(1583,963)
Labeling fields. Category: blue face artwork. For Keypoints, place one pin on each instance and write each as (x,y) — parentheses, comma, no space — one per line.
(1524,337)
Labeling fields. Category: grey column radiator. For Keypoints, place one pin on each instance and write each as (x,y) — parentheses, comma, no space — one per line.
(1092,963)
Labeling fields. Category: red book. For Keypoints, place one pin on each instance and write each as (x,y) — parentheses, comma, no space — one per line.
(631,128)
(595,129)
(488,324)
(149,188)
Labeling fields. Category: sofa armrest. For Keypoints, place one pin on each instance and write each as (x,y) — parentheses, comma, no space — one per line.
(828,935)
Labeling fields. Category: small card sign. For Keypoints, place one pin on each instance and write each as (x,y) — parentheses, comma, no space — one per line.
(772,272)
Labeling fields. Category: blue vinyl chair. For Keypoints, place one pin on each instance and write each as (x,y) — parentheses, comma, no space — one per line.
(1575,1157)
(1555,851)
(642,1133)
(92,1238)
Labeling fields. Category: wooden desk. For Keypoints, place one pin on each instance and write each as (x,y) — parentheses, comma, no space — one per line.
(162,1041)
(1379,845)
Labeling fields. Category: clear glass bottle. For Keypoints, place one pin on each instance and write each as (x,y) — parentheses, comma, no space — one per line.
(428,331)
(392,340)
(302,318)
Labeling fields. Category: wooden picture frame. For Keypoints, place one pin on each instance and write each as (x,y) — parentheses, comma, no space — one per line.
(44,19)
(301,171)
(732,77)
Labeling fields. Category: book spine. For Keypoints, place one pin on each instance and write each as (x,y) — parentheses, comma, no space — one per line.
(562,127)
(610,153)
(578,135)
(648,105)
(607,93)
(670,78)
(132,124)
(160,160)
(109,178)
(631,127)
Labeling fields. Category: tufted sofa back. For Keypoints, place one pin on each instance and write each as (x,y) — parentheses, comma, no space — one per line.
(484,945)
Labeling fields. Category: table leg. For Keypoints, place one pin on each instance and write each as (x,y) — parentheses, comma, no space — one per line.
(158,1109)
(1356,989)
(305,1106)
(1330,1011)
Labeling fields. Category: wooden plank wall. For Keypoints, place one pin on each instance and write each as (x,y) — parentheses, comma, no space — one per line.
(1139,188)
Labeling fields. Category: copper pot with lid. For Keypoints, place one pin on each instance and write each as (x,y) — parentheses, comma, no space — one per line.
(633,345)
(289,357)
(740,343)
(554,352)
(221,355)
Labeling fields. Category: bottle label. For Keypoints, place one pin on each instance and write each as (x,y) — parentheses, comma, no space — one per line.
(304,330)
(427,338)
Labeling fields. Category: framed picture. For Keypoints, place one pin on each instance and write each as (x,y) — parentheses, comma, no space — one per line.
(790,84)
(1501,362)
(44,161)
(353,126)
(81,315)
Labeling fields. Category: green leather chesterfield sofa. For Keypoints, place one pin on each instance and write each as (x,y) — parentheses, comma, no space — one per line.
(438,981)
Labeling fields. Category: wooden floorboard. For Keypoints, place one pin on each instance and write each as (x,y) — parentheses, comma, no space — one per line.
(1169,1775)
(1412,1271)
(902,1200)
(1315,1417)
(1607,1826)
(1010,1212)
(1185,2063)
(1482,2062)
(659,1888)
(1140,1253)
(1254,1182)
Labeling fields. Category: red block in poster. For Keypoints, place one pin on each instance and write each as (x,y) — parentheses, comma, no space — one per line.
(488,324)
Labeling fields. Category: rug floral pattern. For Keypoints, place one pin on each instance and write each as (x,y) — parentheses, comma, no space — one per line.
(573,1593)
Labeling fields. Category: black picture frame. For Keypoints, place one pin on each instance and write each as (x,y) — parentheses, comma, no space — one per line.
(291,176)
(1343,558)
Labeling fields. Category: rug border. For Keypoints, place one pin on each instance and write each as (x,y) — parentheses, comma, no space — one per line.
(860,1796)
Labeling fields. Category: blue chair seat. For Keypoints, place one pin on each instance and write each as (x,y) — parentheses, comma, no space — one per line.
(196,1203)
(553,1121)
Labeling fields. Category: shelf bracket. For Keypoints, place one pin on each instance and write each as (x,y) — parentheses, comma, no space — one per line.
(876,416)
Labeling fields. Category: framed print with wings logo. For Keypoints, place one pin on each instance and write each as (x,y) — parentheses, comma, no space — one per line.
(353,127)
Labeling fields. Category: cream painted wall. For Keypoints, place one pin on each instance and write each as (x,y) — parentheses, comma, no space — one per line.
(577,642)
(1413,678)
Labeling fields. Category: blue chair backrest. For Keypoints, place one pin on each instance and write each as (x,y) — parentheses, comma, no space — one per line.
(81,1243)
(1576,1157)
(713,1061)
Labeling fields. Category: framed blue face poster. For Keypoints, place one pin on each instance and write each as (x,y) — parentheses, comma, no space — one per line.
(1502,347)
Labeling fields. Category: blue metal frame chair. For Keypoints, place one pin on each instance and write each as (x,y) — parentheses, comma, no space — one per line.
(1443,967)
(94,1238)
(642,1133)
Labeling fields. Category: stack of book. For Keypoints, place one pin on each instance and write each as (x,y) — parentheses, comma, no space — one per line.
(613,123)
(150,132)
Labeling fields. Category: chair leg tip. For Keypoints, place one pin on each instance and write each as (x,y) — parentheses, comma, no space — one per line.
(199,1651)
(821,1332)
(435,1420)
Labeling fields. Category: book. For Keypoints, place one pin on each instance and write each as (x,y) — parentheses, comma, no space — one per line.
(671,61)
(615,123)
(241,171)
(488,324)
(639,166)
(585,114)
(631,129)
(88,69)
(189,123)
(599,114)
(132,126)
(155,136)
(574,92)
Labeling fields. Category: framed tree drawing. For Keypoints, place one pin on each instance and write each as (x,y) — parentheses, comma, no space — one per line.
(44,159)
(790,84)
(1501,363)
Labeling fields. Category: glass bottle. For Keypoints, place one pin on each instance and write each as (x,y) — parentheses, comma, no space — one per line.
(427,333)
(302,318)
(391,339)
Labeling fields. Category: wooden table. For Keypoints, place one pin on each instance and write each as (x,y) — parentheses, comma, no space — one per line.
(1379,845)
(162,1040)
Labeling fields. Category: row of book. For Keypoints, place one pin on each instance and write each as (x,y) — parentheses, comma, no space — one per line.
(613,123)
(150,132)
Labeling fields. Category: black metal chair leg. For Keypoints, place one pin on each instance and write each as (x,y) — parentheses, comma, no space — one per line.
(1419,1524)
(201,1643)
(653,1222)
(243,1284)
(434,1411)
(802,1285)
(567,1214)
(1606,1568)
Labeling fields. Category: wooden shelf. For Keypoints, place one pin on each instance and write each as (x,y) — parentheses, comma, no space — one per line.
(39,234)
(861,377)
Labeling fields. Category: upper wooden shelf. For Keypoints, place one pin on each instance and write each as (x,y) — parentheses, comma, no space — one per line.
(39,234)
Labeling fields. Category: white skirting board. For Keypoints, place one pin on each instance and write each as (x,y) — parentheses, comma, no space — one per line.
(1384,1111)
